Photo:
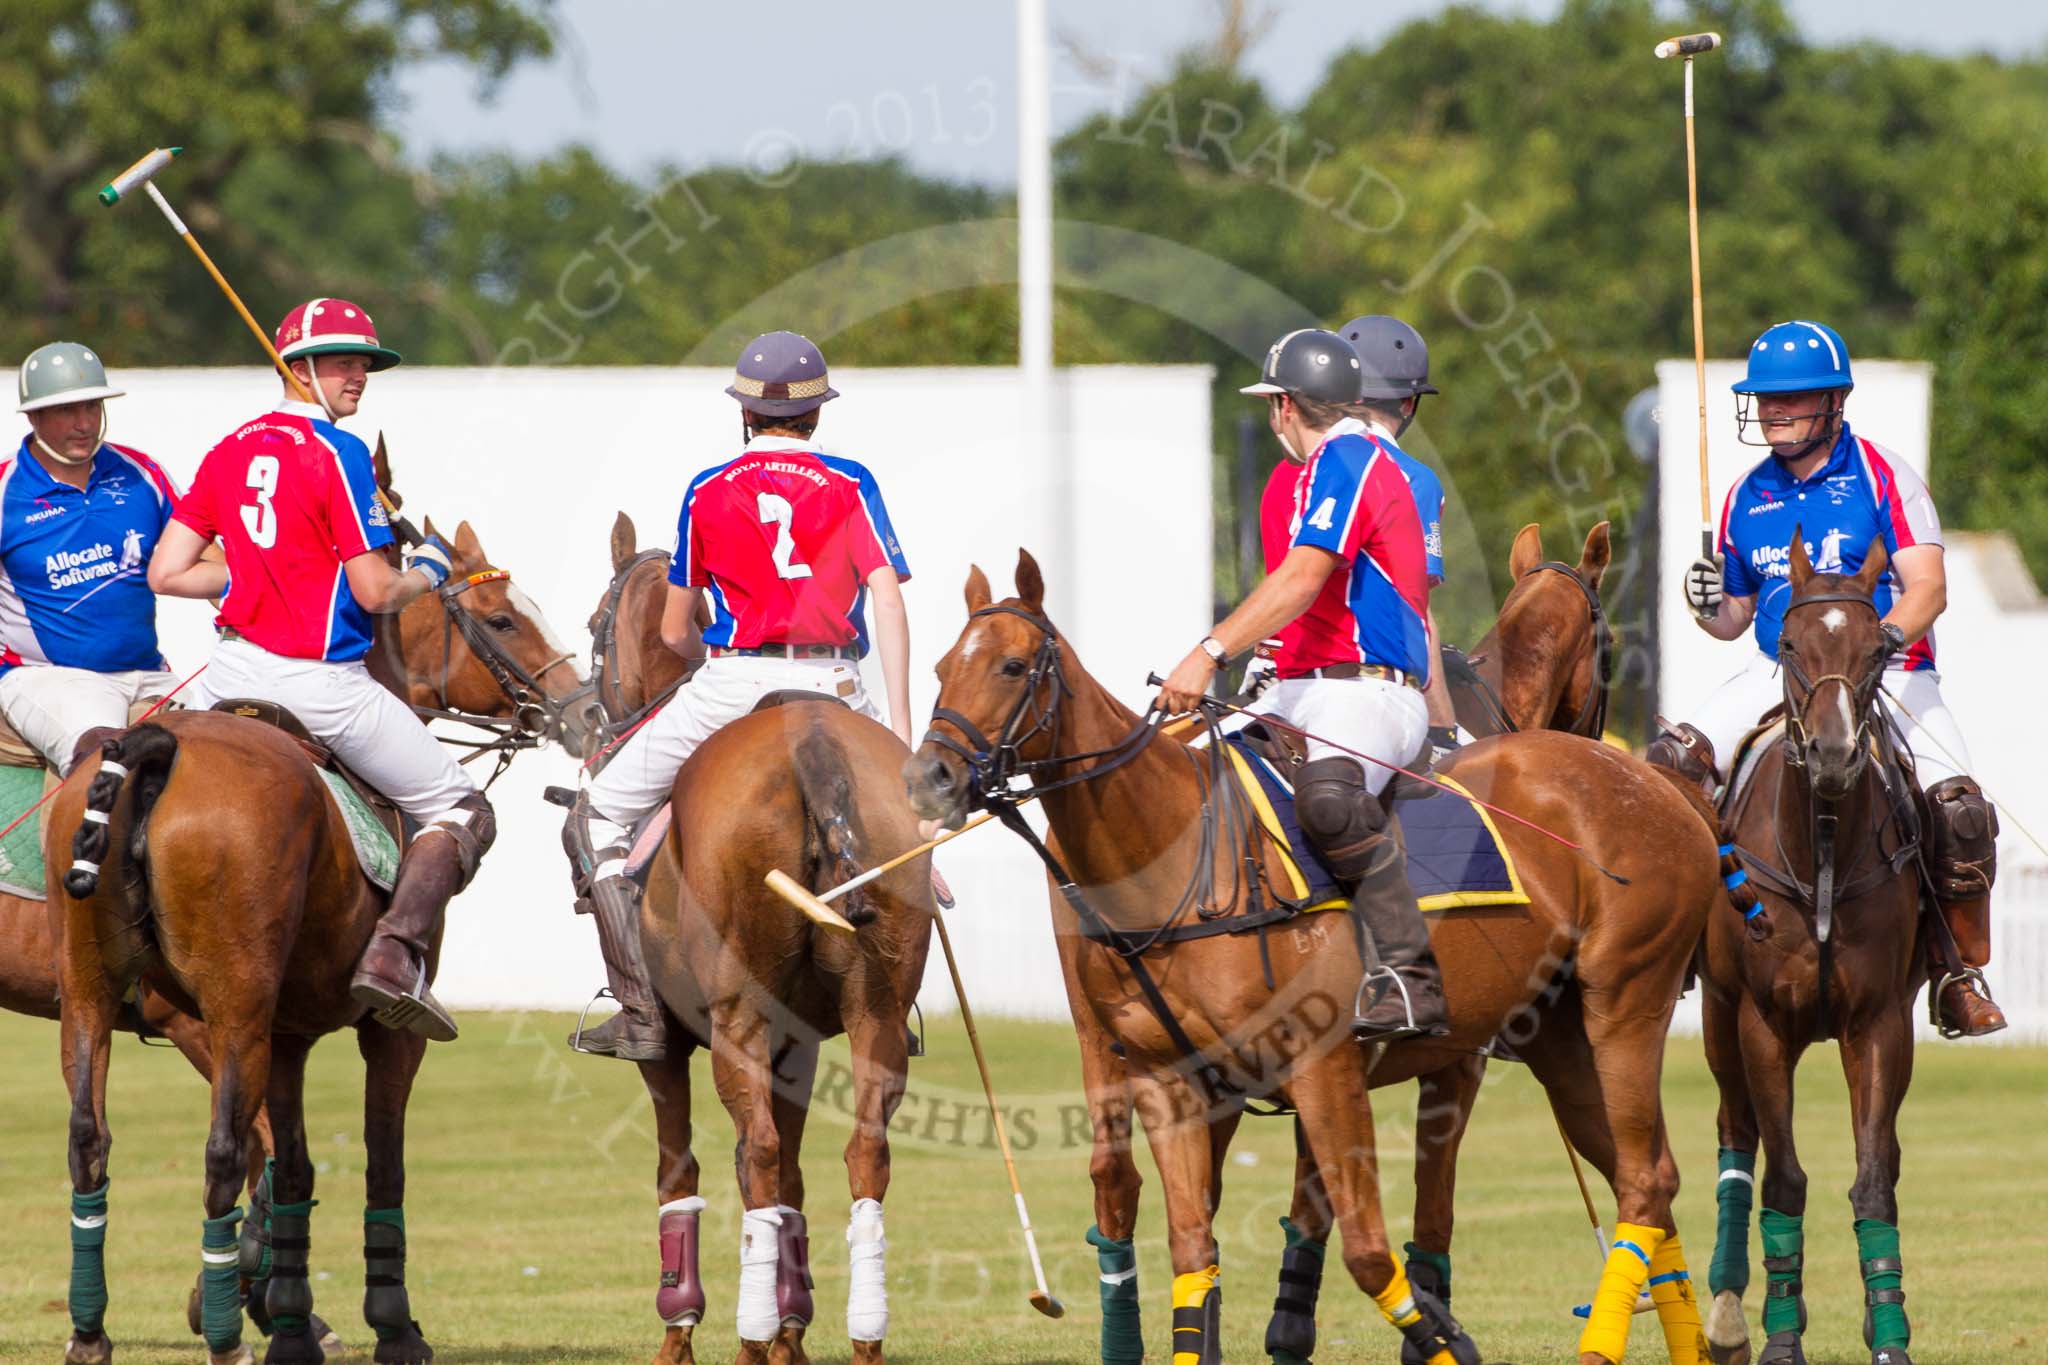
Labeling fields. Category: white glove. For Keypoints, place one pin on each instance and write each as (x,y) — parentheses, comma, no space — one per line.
(1261,672)
(431,558)
(1703,590)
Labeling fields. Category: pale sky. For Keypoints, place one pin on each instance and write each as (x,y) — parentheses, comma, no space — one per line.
(647,82)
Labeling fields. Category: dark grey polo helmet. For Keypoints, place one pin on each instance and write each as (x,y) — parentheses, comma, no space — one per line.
(781,374)
(1310,363)
(1393,355)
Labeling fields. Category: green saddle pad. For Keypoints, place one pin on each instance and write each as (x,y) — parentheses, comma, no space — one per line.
(376,850)
(21,851)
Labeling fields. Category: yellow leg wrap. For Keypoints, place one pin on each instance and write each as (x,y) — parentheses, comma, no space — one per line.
(1614,1302)
(1397,1300)
(1677,1310)
(1190,1292)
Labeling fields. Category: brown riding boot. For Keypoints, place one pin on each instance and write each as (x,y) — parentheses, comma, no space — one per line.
(1963,1007)
(1687,752)
(638,1032)
(1962,847)
(391,978)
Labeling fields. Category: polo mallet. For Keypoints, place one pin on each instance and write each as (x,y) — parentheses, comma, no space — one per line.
(787,887)
(143,173)
(1688,47)
(1644,1303)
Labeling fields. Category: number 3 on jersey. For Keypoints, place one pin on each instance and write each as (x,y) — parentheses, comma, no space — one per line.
(260,518)
(775,511)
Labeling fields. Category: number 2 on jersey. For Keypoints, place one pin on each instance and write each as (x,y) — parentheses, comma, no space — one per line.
(260,518)
(775,511)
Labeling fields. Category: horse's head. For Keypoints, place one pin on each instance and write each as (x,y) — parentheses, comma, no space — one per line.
(1552,639)
(1000,687)
(632,668)
(1832,657)
(481,646)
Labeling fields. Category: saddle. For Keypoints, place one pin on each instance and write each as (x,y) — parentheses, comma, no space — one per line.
(1286,751)
(784,696)
(278,717)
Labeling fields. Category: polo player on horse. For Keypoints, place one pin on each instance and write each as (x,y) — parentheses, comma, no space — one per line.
(1840,492)
(79,516)
(786,542)
(294,500)
(1349,602)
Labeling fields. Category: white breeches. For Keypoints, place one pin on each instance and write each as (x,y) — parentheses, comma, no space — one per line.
(342,705)
(1930,731)
(53,707)
(643,772)
(1373,716)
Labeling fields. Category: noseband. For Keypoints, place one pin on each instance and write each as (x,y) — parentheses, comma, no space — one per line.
(535,714)
(1592,718)
(1863,689)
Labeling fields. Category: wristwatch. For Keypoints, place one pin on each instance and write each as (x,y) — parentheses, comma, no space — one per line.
(1213,647)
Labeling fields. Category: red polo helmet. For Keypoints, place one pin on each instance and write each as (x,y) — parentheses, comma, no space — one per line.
(332,327)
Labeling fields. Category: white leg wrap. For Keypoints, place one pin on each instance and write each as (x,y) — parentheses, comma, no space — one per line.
(867,1298)
(759,1318)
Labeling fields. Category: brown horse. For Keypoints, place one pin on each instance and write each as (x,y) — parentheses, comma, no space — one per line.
(808,787)
(230,888)
(1593,963)
(1834,953)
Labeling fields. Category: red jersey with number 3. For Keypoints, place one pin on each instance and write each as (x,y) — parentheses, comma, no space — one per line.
(782,542)
(292,498)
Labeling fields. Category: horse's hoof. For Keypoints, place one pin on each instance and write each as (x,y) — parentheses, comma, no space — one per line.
(295,1348)
(752,1352)
(97,1351)
(410,1349)
(239,1355)
(329,1339)
(789,1347)
(868,1353)
(1727,1333)
(1782,1348)
(675,1347)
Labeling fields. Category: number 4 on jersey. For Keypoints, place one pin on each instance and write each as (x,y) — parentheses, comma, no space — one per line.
(776,511)
(1324,514)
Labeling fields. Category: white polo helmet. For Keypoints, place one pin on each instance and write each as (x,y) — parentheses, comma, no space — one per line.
(61,372)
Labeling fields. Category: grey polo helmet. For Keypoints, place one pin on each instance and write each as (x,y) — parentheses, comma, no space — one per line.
(781,374)
(1309,363)
(61,372)
(1393,355)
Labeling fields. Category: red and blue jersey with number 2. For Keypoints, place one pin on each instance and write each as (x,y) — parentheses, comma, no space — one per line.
(782,540)
(1353,501)
(291,498)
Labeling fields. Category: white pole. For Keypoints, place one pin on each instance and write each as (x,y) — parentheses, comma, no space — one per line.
(1042,452)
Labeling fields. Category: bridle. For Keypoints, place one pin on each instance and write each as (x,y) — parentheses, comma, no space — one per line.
(1862,689)
(606,681)
(1592,718)
(535,714)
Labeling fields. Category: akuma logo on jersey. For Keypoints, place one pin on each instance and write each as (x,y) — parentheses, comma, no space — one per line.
(46,511)
(1771,506)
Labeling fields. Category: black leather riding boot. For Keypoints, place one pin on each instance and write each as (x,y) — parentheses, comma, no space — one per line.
(1414,1002)
(638,1032)
(391,977)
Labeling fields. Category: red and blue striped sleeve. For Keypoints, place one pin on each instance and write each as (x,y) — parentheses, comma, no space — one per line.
(1905,508)
(686,565)
(356,521)
(1736,579)
(1336,487)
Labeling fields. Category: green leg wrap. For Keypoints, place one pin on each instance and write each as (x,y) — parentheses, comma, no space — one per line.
(1784,1261)
(220,1283)
(88,1262)
(289,1298)
(1122,1341)
(1884,1298)
(385,1304)
(1429,1270)
(1735,1195)
(1291,1331)
(256,1227)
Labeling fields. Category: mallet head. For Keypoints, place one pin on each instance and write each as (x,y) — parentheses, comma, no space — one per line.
(1691,45)
(1048,1304)
(138,175)
(798,895)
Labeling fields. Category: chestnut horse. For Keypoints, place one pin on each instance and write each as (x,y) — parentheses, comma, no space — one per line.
(1835,954)
(1594,962)
(230,889)
(811,788)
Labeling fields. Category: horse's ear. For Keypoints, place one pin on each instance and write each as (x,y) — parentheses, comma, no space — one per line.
(1594,559)
(380,463)
(978,595)
(427,527)
(1528,551)
(1874,561)
(625,542)
(1802,567)
(1030,582)
(467,545)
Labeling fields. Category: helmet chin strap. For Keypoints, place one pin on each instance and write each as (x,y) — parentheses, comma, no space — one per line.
(74,460)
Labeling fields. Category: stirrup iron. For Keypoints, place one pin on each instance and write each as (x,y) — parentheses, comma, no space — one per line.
(576,1038)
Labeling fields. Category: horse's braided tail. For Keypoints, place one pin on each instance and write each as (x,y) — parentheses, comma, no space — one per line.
(141,755)
(832,834)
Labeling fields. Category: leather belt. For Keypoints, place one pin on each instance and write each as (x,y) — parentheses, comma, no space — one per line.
(782,651)
(1380,671)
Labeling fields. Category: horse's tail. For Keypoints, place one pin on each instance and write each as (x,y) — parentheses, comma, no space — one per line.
(833,838)
(1734,877)
(141,755)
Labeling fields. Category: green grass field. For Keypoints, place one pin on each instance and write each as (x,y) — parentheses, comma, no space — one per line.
(532,1215)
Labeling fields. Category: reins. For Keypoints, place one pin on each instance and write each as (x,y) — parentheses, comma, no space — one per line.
(535,713)
(605,673)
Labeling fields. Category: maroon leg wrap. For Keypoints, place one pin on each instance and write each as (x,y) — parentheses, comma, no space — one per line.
(680,1300)
(793,1269)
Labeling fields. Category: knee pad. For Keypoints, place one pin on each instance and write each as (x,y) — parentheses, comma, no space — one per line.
(1342,820)
(1962,839)
(474,827)
(1685,751)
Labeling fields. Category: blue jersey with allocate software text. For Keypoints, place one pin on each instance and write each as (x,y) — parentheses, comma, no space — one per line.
(74,589)
(1861,493)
